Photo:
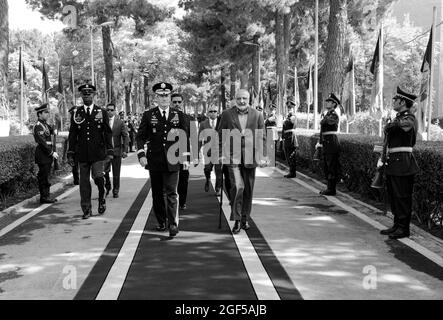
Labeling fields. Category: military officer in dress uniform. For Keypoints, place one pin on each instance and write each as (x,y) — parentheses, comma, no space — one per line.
(90,139)
(290,144)
(400,163)
(44,152)
(156,124)
(75,169)
(331,146)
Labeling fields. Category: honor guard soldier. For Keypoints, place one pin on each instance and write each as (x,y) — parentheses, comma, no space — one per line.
(75,169)
(290,144)
(331,146)
(44,152)
(400,163)
(90,139)
(156,124)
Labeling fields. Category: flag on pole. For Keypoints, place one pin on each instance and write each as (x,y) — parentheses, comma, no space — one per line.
(45,82)
(377,71)
(348,98)
(425,86)
(20,66)
(60,81)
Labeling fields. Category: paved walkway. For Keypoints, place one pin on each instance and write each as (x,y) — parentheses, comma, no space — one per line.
(301,246)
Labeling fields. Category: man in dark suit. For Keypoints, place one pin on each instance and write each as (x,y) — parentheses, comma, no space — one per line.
(90,139)
(330,144)
(156,126)
(183,177)
(290,144)
(242,147)
(120,141)
(401,166)
(204,138)
(44,152)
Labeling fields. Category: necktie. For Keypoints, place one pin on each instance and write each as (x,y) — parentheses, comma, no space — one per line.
(164,115)
(88,111)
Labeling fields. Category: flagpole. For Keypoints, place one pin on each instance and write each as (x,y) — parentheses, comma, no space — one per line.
(381,81)
(72,82)
(431,73)
(21,91)
(316,69)
(62,93)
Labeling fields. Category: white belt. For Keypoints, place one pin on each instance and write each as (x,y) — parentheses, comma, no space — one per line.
(328,133)
(49,143)
(400,149)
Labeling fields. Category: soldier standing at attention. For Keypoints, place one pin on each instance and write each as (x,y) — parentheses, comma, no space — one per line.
(90,139)
(157,123)
(401,166)
(44,154)
(331,146)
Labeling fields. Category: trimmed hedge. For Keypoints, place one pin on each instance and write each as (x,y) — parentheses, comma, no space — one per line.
(358,164)
(17,164)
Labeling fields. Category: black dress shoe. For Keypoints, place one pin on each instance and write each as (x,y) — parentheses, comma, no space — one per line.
(245,225)
(207,186)
(328,192)
(47,200)
(86,215)
(115,195)
(101,206)
(399,234)
(76,183)
(107,191)
(290,176)
(183,207)
(387,232)
(173,230)
(237,228)
(161,227)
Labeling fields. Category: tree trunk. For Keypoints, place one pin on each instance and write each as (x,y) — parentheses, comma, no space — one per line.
(256,67)
(146,92)
(287,45)
(332,75)
(280,59)
(244,79)
(109,62)
(222,89)
(233,72)
(4,52)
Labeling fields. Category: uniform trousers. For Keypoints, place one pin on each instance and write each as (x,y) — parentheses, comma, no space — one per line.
(86,168)
(44,171)
(400,196)
(332,166)
(182,188)
(289,148)
(164,196)
(242,189)
(115,164)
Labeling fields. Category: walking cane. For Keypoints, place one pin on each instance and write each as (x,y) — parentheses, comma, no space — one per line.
(221,199)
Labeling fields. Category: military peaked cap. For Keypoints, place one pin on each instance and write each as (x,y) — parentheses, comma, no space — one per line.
(404,95)
(43,107)
(332,97)
(87,86)
(162,88)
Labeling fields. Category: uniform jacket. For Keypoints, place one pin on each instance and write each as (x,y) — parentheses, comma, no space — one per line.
(249,149)
(120,137)
(289,137)
(401,132)
(90,137)
(327,124)
(154,131)
(43,134)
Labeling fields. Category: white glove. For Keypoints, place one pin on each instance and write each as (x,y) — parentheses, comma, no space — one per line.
(379,163)
(318,145)
(55,155)
(143,162)
(186,165)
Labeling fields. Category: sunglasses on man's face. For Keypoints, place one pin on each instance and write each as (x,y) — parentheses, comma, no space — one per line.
(213,111)
(176,102)
(112,110)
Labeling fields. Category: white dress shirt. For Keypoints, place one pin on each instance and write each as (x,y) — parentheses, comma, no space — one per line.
(167,112)
(111,122)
